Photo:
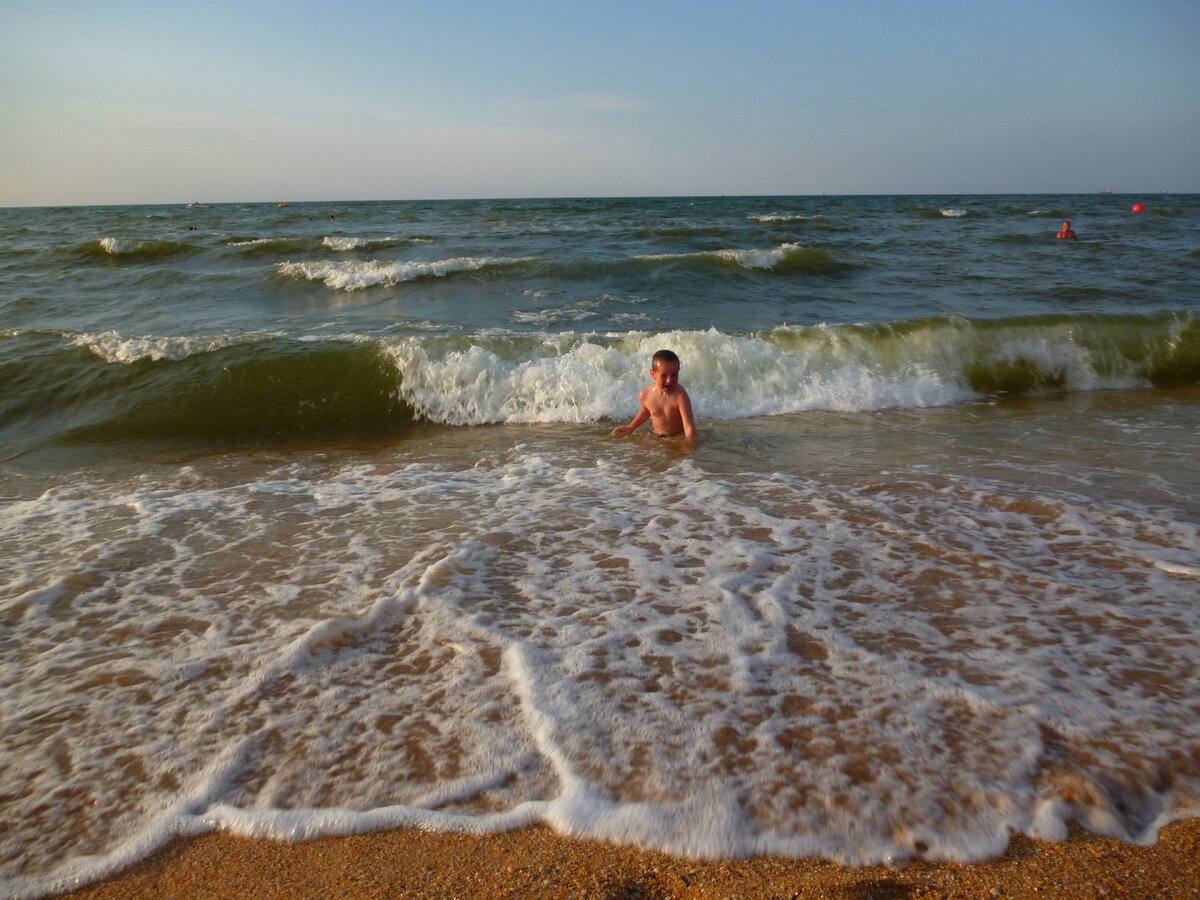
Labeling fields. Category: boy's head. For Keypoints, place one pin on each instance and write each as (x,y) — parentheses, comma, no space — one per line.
(664,370)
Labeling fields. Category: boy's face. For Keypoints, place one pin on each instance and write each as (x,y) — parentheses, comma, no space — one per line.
(665,375)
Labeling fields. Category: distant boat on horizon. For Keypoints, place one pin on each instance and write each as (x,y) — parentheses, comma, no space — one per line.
(1106,192)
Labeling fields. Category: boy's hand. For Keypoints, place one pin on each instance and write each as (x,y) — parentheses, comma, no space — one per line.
(620,431)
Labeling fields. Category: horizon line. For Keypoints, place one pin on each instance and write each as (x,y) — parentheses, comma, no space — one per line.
(197,204)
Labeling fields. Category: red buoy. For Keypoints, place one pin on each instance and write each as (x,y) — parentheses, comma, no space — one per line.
(1138,207)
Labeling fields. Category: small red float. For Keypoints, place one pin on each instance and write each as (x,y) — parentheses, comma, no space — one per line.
(1138,207)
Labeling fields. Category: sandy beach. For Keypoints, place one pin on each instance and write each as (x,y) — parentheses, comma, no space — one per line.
(539,863)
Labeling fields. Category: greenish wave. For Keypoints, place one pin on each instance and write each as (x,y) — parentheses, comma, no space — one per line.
(127,249)
(66,387)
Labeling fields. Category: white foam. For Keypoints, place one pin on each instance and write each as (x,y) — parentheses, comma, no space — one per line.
(114,245)
(708,664)
(1059,357)
(1174,568)
(582,382)
(577,311)
(953,213)
(357,276)
(571,312)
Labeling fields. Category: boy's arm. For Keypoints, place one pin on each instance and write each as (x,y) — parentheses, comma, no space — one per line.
(638,421)
(685,413)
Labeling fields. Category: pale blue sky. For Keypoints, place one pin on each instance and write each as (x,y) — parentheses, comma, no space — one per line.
(134,102)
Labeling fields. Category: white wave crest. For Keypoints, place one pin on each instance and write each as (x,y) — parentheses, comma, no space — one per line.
(781,217)
(122,246)
(345,243)
(585,378)
(577,377)
(115,348)
(747,259)
(554,382)
(252,243)
(357,276)
(953,213)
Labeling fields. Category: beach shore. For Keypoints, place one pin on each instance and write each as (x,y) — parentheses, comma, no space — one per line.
(536,862)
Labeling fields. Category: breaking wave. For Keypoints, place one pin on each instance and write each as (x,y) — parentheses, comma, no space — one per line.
(130,249)
(786,257)
(108,386)
(357,276)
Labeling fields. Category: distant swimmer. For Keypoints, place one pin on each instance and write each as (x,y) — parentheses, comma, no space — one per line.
(665,403)
(1067,233)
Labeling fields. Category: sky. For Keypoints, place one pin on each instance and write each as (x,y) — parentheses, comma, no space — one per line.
(210,101)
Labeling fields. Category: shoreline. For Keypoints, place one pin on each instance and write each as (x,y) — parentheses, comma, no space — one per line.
(537,862)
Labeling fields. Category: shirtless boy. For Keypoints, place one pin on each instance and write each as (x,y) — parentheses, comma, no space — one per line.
(665,403)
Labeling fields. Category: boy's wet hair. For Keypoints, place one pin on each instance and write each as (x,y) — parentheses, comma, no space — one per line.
(664,356)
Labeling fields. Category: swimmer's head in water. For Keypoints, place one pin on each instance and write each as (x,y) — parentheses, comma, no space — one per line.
(664,356)
(664,371)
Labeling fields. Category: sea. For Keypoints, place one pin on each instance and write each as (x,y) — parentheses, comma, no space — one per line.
(311,524)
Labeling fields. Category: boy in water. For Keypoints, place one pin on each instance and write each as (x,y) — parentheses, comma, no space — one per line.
(665,403)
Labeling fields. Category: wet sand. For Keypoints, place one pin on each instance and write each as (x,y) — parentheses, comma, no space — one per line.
(537,862)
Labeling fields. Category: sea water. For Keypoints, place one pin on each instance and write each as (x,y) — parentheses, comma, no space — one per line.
(310,524)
